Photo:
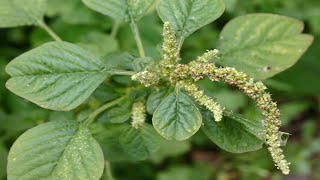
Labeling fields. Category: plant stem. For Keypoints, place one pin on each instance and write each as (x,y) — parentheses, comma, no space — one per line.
(108,171)
(137,37)
(115,29)
(54,36)
(96,113)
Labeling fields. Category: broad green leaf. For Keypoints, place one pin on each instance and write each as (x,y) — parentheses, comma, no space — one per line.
(56,75)
(59,7)
(187,16)
(234,133)
(122,10)
(177,118)
(156,98)
(262,45)
(21,12)
(56,150)
(300,79)
(125,143)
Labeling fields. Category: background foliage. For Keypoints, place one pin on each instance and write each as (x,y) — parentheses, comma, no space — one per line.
(297,90)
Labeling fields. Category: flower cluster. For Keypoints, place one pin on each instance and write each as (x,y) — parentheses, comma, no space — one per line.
(256,91)
(170,50)
(138,114)
(146,78)
(203,99)
(186,74)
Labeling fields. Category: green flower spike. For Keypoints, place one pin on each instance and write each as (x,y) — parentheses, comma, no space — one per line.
(186,74)
(138,115)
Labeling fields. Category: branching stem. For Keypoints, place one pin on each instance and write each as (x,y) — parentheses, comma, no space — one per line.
(45,27)
(108,171)
(103,108)
(137,37)
(115,29)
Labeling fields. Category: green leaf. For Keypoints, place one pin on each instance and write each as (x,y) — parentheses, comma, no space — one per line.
(234,133)
(133,139)
(177,118)
(105,93)
(293,80)
(115,115)
(121,61)
(125,143)
(122,10)
(141,64)
(56,75)
(98,43)
(170,149)
(262,45)
(56,150)
(187,16)
(21,12)
(156,98)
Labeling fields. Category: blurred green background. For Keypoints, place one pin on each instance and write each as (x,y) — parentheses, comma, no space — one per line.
(297,90)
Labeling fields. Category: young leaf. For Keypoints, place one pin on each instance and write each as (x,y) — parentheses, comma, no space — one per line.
(122,10)
(187,16)
(98,43)
(133,139)
(115,115)
(234,133)
(177,118)
(21,12)
(141,64)
(56,75)
(262,45)
(156,98)
(170,149)
(125,143)
(56,150)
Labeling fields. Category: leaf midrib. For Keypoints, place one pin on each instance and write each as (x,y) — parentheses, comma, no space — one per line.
(66,147)
(65,73)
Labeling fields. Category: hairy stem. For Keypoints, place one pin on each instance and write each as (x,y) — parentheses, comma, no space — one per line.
(137,37)
(108,171)
(115,29)
(54,36)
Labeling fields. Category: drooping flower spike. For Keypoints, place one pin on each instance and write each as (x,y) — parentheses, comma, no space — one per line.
(185,75)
